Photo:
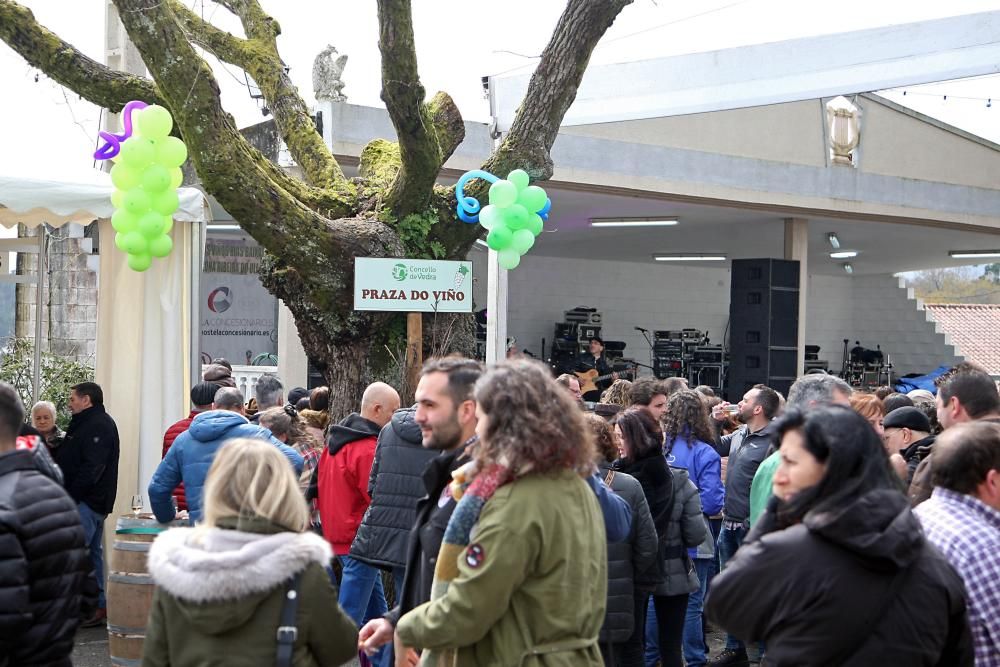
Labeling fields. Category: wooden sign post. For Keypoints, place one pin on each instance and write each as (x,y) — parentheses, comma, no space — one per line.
(414,349)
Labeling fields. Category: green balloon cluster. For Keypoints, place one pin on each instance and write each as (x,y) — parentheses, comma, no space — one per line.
(514,217)
(146,176)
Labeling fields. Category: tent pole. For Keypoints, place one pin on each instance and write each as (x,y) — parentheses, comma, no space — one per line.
(36,374)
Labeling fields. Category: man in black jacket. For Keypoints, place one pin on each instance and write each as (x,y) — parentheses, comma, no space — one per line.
(89,461)
(395,485)
(44,566)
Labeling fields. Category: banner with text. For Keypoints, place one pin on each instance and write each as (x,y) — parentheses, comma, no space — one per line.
(412,285)
(239,317)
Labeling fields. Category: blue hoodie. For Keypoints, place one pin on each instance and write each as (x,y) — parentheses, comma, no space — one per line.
(192,453)
(705,469)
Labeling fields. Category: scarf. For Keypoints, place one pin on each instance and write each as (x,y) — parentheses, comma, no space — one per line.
(471,489)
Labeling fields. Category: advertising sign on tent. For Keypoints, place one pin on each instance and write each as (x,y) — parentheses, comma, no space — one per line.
(239,317)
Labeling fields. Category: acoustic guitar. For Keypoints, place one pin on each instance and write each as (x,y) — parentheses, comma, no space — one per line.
(590,378)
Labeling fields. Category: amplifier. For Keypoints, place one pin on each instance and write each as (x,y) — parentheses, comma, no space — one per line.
(588,331)
(664,334)
(692,334)
(668,349)
(666,368)
(708,354)
(566,330)
(583,316)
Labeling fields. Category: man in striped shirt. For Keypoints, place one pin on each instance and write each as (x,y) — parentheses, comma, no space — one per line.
(962,519)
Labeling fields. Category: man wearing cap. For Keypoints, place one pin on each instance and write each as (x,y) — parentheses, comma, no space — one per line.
(907,431)
(202,395)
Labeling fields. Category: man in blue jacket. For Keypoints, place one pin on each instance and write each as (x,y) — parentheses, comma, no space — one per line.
(193,451)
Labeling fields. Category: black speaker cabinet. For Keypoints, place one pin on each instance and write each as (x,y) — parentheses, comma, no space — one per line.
(764,324)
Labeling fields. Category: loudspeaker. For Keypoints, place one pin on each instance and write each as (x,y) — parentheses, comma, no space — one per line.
(764,325)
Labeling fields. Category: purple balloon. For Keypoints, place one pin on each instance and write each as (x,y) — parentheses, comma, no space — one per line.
(114,141)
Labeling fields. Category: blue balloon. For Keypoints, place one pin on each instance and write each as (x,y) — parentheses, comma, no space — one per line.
(544,210)
(467,208)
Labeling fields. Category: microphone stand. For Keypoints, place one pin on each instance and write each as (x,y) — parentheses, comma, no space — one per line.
(645,334)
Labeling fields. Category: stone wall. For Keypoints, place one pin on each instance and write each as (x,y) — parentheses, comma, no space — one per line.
(70,314)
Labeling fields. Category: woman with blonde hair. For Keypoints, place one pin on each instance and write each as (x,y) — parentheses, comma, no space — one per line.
(317,415)
(521,576)
(224,587)
(618,393)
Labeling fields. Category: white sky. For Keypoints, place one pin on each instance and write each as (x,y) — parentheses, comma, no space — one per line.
(47,130)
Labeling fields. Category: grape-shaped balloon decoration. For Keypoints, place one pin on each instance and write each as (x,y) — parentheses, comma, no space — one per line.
(515,215)
(146,176)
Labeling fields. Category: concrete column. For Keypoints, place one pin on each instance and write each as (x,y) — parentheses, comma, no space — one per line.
(293,365)
(496,310)
(797,248)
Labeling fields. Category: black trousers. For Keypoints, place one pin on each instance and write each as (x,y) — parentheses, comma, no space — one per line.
(671,611)
(629,653)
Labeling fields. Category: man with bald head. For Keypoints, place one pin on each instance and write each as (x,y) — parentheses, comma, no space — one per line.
(341,486)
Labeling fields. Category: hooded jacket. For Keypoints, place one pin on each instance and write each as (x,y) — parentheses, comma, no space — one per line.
(395,485)
(815,592)
(45,569)
(342,479)
(192,453)
(171,434)
(88,458)
(637,554)
(220,591)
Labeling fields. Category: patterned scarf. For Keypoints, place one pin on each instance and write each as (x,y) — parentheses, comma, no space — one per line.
(471,489)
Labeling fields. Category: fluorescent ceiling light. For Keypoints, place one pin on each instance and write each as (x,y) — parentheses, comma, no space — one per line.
(224,228)
(973,253)
(848,267)
(834,241)
(633,222)
(704,257)
(844,254)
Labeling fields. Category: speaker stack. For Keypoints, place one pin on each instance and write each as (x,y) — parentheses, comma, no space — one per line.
(764,325)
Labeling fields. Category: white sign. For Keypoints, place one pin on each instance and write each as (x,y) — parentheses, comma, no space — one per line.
(412,285)
(239,317)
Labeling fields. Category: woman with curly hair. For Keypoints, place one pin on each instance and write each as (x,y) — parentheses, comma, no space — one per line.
(688,436)
(676,510)
(522,570)
(618,394)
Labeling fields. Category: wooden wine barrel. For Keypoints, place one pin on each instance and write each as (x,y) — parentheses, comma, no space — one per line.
(130,587)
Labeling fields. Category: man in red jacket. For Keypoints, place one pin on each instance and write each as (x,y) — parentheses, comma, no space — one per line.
(342,488)
(202,395)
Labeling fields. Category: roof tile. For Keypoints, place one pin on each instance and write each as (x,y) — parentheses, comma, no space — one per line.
(974,330)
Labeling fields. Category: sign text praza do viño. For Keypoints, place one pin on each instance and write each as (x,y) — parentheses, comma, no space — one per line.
(412,285)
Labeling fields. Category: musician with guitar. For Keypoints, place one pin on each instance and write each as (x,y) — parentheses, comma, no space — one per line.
(598,375)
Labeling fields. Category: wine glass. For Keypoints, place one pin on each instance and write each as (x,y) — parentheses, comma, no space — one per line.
(136,505)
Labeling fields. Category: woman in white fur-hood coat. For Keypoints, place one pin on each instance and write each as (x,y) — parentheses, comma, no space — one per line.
(221,586)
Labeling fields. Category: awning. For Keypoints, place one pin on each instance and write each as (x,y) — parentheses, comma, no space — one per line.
(83,199)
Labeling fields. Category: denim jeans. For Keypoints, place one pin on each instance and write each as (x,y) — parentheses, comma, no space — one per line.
(93,535)
(669,637)
(362,597)
(694,636)
(729,541)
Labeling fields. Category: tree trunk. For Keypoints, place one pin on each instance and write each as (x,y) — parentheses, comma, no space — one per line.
(345,373)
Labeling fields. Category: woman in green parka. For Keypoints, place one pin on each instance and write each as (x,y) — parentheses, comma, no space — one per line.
(521,576)
(221,586)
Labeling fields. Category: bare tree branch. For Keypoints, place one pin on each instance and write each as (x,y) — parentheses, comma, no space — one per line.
(258,56)
(224,45)
(427,133)
(65,64)
(553,87)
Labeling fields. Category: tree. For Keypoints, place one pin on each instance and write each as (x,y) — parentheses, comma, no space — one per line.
(963,284)
(991,272)
(313,228)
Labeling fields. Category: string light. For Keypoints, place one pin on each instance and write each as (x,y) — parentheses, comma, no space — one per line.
(944,97)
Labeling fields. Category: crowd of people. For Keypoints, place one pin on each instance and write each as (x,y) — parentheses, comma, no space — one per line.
(498,521)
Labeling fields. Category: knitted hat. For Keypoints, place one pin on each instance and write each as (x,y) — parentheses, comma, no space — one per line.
(297,393)
(920,395)
(203,393)
(907,417)
(219,375)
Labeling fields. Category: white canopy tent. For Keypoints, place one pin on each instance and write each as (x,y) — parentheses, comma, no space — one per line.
(145,323)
